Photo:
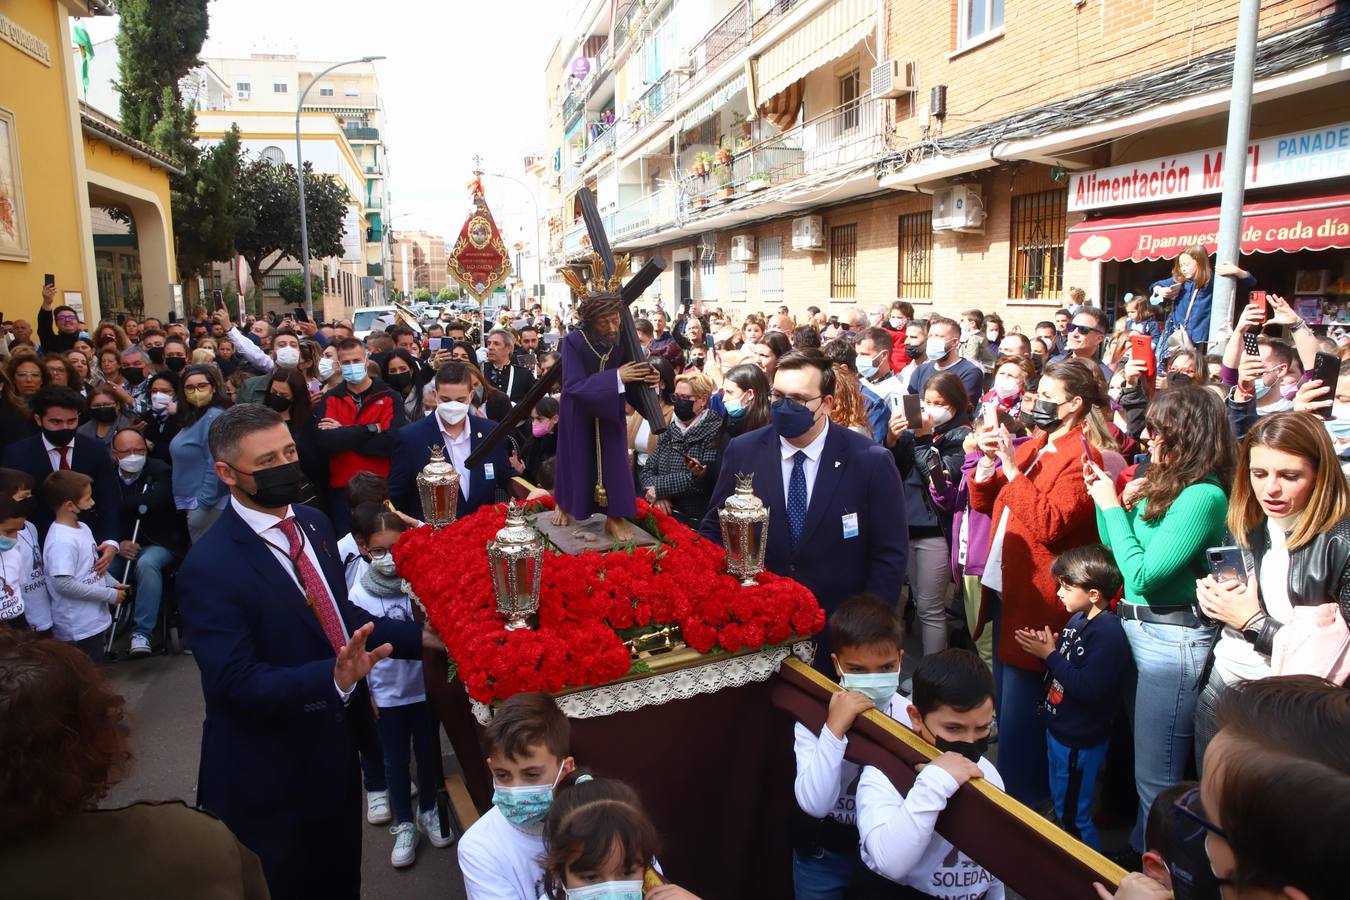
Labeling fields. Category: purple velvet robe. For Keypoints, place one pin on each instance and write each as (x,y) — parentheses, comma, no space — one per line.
(590,394)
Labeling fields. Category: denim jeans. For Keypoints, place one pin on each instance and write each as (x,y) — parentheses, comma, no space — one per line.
(1021,736)
(149,574)
(399,727)
(1073,775)
(1168,659)
(821,875)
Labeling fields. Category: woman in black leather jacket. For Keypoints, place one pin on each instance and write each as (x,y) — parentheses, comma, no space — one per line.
(1291,506)
(931,455)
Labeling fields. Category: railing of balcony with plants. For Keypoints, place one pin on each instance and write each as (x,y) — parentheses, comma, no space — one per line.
(848,134)
(773,11)
(721,43)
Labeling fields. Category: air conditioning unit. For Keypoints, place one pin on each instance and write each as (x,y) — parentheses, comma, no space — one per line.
(893,78)
(958,208)
(743,248)
(808,233)
(242,95)
(689,64)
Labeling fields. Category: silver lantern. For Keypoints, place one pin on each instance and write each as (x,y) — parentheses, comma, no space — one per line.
(438,487)
(516,556)
(745,531)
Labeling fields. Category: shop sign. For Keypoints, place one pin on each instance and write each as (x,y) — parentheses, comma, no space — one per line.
(23,39)
(1312,155)
(581,67)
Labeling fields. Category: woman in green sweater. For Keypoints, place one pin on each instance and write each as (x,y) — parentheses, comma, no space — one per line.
(1159,545)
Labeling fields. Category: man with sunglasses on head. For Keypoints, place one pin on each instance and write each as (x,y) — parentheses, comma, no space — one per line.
(1086,333)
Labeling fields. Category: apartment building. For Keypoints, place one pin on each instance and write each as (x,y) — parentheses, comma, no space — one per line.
(341,124)
(418,261)
(952,153)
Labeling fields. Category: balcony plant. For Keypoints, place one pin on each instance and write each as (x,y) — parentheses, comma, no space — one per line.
(758,181)
(703,164)
(724,156)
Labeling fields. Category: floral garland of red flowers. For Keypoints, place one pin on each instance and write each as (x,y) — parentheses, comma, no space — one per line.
(585,601)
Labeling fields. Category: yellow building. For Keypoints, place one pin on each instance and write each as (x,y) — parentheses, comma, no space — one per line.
(58,161)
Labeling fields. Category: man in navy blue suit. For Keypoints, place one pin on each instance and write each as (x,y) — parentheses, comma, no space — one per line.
(283,659)
(57,411)
(836,504)
(459,434)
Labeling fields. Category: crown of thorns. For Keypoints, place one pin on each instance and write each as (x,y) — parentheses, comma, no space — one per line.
(595,282)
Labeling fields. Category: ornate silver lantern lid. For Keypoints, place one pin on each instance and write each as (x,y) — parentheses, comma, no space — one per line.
(743,502)
(517,531)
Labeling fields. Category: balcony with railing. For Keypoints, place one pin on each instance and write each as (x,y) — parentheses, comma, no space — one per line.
(600,145)
(573,104)
(721,43)
(847,135)
(650,212)
(770,13)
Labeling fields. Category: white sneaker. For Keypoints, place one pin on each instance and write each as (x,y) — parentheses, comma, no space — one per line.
(430,823)
(405,845)
(140,645)
(377,807)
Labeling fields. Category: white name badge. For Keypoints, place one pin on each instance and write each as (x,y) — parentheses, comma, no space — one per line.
(487,471)
(850,525)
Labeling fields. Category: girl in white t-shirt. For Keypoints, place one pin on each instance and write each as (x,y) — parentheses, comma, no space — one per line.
(396,685)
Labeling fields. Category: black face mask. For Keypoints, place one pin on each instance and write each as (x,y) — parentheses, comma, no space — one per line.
(971,750)
(1179,379)
(696,362)
(400,381)
(59,437)
(684,408)
(1045,415)
(176,363)
(277,486)
(104,414)
(156,355)
(278,402)
(914,352)
(133,374)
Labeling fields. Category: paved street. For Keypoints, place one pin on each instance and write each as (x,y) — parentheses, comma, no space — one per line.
(164,706)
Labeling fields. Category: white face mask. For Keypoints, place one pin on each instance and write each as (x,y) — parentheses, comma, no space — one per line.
(1340,411)
(1006,386)
(939,415)
(992,334)
(132,464)
(384,565)
(288,356)
(160,401)
(452,412)
(325,368)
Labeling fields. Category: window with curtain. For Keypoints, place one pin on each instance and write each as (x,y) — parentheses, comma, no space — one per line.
(844,262)
(1036,262)
(849,91)
(915,245)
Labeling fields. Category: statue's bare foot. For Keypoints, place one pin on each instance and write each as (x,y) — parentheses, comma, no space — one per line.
(613,527)
(561,518)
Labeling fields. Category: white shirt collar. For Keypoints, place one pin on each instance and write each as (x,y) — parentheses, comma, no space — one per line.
(256,520)
(812,450)
(454,439)
(49,446)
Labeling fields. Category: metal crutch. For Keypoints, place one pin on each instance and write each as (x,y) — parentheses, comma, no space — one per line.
(119,616)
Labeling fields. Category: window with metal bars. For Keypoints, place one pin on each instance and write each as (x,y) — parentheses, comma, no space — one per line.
(771,270)
(1036,263)
(844,262)
(915,245)
(736,282)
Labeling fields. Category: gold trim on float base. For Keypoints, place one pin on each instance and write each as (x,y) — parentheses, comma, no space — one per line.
(1027,816)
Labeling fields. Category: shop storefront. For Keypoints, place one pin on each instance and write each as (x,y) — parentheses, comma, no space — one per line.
(1295,226)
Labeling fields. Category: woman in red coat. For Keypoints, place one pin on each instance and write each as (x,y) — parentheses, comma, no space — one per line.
(1036,497)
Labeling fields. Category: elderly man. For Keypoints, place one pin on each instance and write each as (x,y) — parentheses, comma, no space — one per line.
(22,330)
(500,371)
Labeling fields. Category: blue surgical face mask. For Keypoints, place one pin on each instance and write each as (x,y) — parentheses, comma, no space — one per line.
(790,418)
(935,349)
(525,805)
(353,373)
(879,687)
(1262,388)
(607,890)
(867,367)
(735,408)
(7,543)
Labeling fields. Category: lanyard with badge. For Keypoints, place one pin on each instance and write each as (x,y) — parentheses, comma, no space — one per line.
(310,600)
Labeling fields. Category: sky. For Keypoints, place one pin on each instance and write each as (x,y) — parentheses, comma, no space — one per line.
(461,78)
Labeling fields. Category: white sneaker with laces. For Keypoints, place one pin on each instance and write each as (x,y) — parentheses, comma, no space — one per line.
(377,807)
(430,823)
(140,645)
(405,845)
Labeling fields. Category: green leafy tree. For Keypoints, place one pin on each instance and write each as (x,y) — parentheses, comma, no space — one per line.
(422,295)
(269,207)
(292,288)
(447,294)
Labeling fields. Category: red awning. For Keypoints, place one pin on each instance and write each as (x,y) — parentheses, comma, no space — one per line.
(1268,226)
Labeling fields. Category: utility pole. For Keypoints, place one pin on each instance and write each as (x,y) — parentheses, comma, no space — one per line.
(1235,167)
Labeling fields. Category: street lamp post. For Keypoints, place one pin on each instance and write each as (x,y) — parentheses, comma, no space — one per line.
(538,246)
(300,176)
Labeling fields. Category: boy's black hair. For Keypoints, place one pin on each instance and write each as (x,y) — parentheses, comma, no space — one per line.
(14,480)
(366,487)
(1162,818)
(12,509)
(1090,567)
(955,678)
(864,620)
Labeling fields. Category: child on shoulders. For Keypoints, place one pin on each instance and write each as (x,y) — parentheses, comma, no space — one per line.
(952,709)
(867,637)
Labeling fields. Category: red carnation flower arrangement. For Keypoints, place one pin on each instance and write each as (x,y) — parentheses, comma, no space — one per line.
(589,604)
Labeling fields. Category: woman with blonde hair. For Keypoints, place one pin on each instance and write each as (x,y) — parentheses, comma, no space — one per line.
(109,332)
(680,474)
(1190,288)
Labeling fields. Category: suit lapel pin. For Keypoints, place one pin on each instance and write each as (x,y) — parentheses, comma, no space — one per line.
(837,464)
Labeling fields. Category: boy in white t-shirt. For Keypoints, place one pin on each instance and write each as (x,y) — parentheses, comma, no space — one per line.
(526,743)
(12,522)
(80,594)
(952,709)
(37,607)
(867,637)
